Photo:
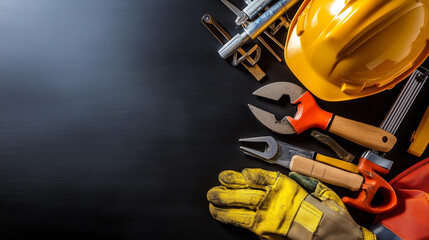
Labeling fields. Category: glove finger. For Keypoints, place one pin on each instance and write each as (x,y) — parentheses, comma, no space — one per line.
(238,217)
(259,178)
(232,179)
(308,183)
(245,198)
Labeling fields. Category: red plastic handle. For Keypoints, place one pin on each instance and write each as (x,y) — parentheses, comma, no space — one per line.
(309,114)
(372,183)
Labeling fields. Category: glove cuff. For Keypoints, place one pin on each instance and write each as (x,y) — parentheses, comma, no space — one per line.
(324,223)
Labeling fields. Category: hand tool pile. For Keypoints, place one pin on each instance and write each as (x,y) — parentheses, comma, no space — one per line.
(268,22)
(339,50)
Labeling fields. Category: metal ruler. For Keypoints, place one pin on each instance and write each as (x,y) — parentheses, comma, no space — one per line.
(404,100)
(397,112)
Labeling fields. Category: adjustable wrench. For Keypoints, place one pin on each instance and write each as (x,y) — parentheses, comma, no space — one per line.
(310,115)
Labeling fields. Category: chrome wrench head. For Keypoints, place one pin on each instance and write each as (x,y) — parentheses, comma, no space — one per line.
(269,120)
(275,152)
(271,148)
(275,91)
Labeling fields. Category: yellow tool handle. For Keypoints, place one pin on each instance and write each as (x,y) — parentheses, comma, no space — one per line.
(362,134)
(326,173)
(337,163)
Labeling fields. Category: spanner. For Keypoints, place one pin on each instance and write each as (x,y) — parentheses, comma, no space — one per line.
(310,115)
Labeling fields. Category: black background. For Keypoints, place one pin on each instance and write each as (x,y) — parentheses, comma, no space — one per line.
(117,115)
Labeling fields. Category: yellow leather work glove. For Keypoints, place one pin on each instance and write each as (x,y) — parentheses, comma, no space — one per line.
(274,206)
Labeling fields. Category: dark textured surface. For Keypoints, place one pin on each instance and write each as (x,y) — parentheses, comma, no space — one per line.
(117,116)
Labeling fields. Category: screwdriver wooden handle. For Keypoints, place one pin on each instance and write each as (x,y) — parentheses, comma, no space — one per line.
(362,134)
(326,173)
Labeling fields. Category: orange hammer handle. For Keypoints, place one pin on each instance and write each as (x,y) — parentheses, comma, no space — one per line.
(372,183)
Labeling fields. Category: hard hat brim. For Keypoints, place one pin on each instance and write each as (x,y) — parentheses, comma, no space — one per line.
(319,85)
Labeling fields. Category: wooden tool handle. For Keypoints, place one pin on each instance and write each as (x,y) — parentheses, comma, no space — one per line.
(326,173)
(362,134)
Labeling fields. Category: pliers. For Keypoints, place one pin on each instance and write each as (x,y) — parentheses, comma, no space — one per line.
(310,115)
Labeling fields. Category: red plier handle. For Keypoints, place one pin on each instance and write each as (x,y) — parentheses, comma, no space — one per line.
(373,183)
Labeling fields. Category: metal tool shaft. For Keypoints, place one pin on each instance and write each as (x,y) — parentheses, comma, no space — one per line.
(255,28)
(255,7)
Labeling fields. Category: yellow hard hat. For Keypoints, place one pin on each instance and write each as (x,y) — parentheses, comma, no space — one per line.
(347,49)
